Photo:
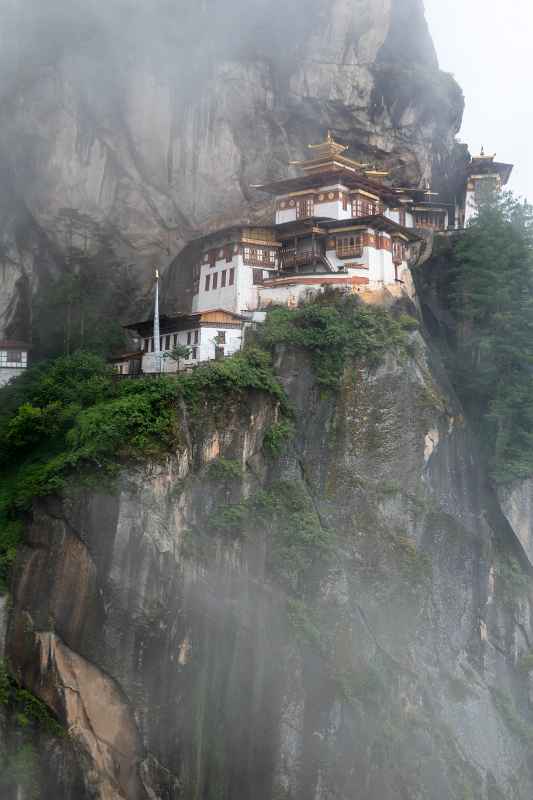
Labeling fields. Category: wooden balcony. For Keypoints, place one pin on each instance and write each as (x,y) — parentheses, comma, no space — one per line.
(292,259)
(350,252)
(254,261)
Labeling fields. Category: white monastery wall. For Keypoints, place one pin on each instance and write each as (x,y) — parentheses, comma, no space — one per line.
(285,215)
(471,209)
(205,349)
(6,373)
(393,215)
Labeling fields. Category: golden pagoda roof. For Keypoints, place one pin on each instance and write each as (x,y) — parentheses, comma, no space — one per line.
(328,155)
(483,157)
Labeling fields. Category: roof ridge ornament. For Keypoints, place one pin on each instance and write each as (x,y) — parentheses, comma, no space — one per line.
(327,154)
(483,156)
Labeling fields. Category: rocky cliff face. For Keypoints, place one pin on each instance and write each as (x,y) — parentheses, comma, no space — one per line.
(157,120)
(345,620)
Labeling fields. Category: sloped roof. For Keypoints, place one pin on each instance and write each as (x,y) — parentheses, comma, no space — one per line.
(13,344)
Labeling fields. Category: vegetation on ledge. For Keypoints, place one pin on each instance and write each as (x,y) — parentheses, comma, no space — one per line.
(335,328)
(70,418)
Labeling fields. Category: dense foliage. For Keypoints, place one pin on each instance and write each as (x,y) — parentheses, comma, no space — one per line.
(81,306)
(491,296)
(71,417)
(334,329)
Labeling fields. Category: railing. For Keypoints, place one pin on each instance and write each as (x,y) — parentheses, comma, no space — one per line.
(350,252)
(290,258)
(254,261)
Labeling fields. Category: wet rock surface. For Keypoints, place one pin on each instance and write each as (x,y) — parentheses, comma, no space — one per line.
(233,665)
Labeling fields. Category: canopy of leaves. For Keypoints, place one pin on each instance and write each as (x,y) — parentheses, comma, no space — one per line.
(70,418)
(334,329)
(491,297)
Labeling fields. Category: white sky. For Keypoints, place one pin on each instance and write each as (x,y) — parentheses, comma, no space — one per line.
(488,46)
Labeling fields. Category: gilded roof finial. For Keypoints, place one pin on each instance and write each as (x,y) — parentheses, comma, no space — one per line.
(482,152)
(428,191)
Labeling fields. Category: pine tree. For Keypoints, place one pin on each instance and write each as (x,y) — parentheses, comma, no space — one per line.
(492,299)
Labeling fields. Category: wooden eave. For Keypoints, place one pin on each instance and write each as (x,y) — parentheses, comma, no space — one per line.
(303,227)
(14,344)
(352,180)
(183,322)
(486,166)
(137,355)
(377,222)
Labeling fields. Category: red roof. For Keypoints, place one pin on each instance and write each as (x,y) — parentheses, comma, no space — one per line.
(13,344)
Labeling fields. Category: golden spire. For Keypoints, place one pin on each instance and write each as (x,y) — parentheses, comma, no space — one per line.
(328,154)
(428,193)
(329,147)
(483,156)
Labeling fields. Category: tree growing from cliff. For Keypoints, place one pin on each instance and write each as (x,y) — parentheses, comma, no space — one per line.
(492,300)
(82,307)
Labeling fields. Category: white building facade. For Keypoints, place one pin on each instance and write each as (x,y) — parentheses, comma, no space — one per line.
(339,225)
(13,359)
(207,336)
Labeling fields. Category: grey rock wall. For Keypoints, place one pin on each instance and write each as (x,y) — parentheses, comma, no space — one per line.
(157,119)
(393,670)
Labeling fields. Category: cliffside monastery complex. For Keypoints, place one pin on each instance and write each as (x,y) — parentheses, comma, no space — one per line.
(339,225)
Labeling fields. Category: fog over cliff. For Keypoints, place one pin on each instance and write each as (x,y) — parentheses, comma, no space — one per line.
(156,118)
(341,612)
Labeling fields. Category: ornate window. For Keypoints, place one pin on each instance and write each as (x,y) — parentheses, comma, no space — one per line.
(221,337)
(167,342)
(223,276)
(207,282)
(232,276)
(215,280)
(350,246)
(189,337)
(305,208)
(258,276)
(361,207)
(398,252)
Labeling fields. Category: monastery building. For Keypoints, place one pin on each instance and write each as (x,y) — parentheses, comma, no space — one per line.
(339,224)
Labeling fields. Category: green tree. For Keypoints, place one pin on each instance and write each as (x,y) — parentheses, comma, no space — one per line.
(491,297)
(180,351)
(82,307)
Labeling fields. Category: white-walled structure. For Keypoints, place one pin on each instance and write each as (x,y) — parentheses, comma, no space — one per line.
(485,177)
(13,359)
(339,224)
(207,335)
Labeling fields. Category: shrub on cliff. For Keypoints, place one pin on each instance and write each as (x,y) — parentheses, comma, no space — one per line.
(70,417)
(334,329)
